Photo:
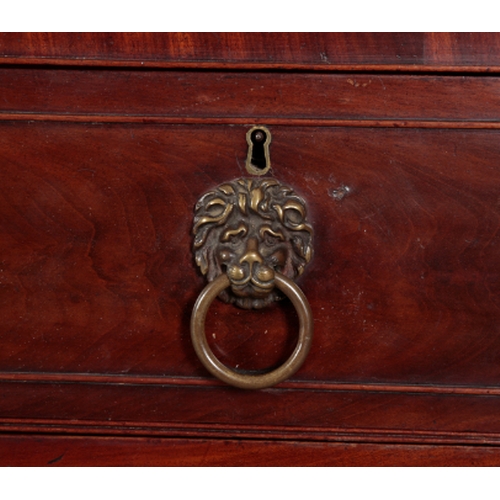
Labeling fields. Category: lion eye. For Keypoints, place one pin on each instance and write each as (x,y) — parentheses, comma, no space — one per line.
(234,236)
(271,237)
(271,240)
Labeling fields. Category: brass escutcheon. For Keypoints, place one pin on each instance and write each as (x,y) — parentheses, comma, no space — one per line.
(251,240)
(258,157)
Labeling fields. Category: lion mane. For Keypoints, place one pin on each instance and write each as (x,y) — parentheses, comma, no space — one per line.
(261,200)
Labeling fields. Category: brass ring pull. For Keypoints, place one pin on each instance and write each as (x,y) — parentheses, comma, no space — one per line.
(248,381)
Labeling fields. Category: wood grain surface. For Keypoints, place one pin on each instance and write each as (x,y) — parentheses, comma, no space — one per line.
(309,51)
(98,277)
(64,451)
(231,97)
(98,274)
(100,172)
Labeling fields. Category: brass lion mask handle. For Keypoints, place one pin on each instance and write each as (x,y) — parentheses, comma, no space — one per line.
(251,240)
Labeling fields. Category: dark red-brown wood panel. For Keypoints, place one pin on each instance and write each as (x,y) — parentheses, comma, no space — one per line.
(196,408)
(309,51)
(100,170)
(98,274)
(40,451)
(232,97)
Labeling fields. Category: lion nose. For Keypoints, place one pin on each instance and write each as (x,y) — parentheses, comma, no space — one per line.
(252,254)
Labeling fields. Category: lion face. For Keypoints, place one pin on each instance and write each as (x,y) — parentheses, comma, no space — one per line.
(250,229)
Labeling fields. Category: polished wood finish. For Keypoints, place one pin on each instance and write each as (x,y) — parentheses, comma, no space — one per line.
(64,451)
(310,51)
(302,99)
(97,236)
(101,168)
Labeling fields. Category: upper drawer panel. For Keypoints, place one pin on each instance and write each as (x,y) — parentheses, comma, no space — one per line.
(410,51)
(245,97)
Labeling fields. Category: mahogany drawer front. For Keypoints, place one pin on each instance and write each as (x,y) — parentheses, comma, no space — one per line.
(101,171)
(238,97)
(97,451)
(408,51)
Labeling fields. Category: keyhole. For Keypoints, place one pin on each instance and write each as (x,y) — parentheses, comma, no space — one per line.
(258,138)
(258,160)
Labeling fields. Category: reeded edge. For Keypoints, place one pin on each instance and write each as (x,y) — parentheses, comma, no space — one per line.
(244,381)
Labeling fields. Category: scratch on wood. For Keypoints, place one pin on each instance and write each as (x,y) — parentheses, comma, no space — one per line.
(54,460)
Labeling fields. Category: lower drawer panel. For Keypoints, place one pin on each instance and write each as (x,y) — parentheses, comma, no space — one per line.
(61,451)
(367,413)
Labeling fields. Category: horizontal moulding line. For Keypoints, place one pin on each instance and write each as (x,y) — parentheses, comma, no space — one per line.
(221,64)
(76,428)
(249,120)
(74,378)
